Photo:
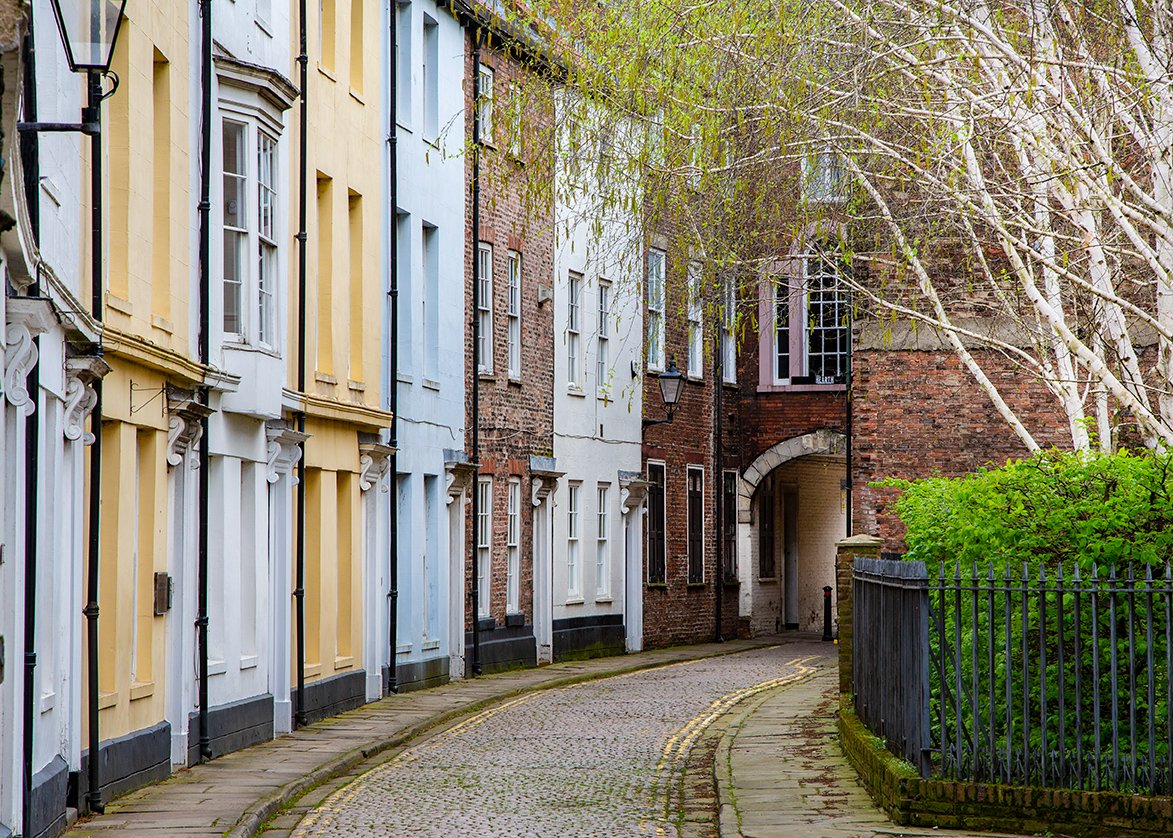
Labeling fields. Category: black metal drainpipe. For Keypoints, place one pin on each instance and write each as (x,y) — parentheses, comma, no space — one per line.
(476,336)
(847,410)
(303,60)
(719,477)
(93,113)
(205,207)
(393,357)
(32,424)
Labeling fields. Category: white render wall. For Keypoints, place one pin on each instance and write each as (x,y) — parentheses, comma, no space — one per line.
(597,424)
(431,192)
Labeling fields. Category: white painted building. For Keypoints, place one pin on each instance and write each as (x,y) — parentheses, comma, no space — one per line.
(597,605)
(43,260)
(431,466)
(252,450)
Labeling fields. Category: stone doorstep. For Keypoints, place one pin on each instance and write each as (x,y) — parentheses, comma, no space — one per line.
(312,756)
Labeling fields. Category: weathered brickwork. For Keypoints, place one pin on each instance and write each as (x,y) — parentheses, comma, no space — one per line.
(911,801)
(920,413)
(516,416)
(676,611)
(765,418)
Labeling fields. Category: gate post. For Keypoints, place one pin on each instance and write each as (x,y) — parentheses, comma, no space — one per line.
(846,550)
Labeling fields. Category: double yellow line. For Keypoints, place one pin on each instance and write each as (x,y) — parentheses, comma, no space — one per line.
(678,745)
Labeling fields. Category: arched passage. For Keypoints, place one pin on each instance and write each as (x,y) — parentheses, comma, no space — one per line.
(787,592)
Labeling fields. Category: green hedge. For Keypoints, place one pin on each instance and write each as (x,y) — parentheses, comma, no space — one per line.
(1085,507)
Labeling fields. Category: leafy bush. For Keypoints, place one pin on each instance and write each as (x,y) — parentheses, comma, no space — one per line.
(1086,507)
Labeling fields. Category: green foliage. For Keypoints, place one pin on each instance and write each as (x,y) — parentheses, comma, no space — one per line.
(1090,508)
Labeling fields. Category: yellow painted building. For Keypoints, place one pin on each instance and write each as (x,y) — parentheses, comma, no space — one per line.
(150,348)
(345,167)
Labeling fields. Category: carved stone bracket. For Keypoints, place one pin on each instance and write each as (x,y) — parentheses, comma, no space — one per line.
(544,471)
(284,451)
(633,490)
(374,460)
(80,396)
(184,424)
(459,473)
(27,318)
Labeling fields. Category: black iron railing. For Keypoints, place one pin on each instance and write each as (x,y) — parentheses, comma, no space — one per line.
(1051,677)
(890,658)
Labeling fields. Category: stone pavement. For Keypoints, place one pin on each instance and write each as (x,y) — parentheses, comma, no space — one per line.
(236,794)
(780,772)
(603,758)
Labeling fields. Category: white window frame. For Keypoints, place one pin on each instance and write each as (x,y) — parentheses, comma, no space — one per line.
(573,538)
(484,544)
(430,81)
(603,340)
(657,262)
(792,316)
(835,298)
(696,332)
(603,541)
(513,315)
(513,547)
(824,179)
(484,348)
(574,283)
(261,259)
(728,332)
(430,249)
(484,106)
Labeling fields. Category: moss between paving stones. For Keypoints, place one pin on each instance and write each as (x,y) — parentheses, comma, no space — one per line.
(910,801)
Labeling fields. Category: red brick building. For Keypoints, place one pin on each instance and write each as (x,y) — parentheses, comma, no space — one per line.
(512,260)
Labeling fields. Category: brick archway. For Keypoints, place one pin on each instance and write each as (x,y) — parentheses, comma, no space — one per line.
(817,442)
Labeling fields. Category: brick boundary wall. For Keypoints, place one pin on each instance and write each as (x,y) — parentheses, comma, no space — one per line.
(948,804)
(897,788)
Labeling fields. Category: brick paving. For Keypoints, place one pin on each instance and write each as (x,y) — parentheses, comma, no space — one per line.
(598,758)
(238,793)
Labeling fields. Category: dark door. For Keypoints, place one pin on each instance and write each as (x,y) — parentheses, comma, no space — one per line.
(696,526)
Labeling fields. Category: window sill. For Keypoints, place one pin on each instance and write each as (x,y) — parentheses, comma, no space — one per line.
(162,324)
(661,585)
(107,700)
(141,689)
(486,375)
(327,73)
(403,648)
(120,305)
(767,580)
(356,95)
(217,667)
(48,702)
(248,662)
(343,662)
(778,387)
(404,126)
(430,645)
(324,377)
(431,384)
(404,378)
(603,598)
(356,386)
(514,381)
(263,26)
(575,601)
(698,584)
(313,670)
(695,379)
(241,346)
(577,392)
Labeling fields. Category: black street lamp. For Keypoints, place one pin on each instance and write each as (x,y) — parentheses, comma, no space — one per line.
(89,30)
(671,385)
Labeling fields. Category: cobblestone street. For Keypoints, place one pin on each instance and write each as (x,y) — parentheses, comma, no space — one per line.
(600,758)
